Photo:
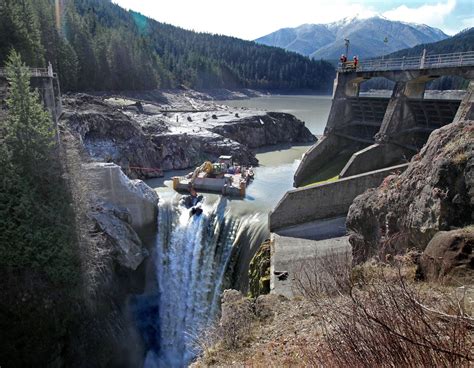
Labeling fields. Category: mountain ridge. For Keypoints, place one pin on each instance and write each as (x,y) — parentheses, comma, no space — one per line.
(326,41)
(460,42)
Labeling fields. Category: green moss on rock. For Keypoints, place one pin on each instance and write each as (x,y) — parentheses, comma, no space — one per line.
(259,271)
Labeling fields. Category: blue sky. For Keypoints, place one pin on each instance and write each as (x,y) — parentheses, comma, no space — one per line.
(250,19)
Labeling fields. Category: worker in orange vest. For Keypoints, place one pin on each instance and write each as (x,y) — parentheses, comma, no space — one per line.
(356,61)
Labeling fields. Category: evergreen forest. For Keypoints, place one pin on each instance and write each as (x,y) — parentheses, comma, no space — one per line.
(95,45)
(461,42)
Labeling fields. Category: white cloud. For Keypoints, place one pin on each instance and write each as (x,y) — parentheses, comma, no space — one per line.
(250,19)
(433,15)
(247,19)
(468,22)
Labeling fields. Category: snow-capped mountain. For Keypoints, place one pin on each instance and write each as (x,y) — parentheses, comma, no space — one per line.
(326,41)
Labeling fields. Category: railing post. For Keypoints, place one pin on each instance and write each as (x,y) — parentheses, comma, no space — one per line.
(423,58)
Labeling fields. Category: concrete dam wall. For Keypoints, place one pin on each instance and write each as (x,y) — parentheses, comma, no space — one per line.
(405,119)
(321,201)
(373,136)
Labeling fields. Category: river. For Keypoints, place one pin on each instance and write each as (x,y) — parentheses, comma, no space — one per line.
(192,253)
(274,176)
(313,110)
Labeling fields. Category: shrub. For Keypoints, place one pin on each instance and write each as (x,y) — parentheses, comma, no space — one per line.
(381,318)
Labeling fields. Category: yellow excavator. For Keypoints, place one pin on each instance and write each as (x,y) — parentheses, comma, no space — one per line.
(205,167)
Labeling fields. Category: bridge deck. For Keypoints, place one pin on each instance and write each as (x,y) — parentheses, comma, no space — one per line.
(456,59)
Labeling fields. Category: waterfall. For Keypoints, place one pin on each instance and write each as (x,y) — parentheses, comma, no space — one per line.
(191,257)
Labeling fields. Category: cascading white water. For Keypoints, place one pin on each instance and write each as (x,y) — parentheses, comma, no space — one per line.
(165,315)
(191,257)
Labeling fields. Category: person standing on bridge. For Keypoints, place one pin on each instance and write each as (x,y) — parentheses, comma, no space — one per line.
(356,61)
(343,60)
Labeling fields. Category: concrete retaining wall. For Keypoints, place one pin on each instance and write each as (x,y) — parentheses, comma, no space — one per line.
(317,156)
(321,201)
(301,260)
(375,157)
(109,183)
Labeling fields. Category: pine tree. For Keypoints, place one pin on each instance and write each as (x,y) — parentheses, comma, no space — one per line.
(36,227)
(19,29)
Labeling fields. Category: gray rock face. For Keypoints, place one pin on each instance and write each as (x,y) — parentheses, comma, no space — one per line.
(125,246)
(145,138)
(108,135)
(435,193)
(182,151)
(271,128)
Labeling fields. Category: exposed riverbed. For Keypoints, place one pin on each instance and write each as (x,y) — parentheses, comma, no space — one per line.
(313,110)
(274,175)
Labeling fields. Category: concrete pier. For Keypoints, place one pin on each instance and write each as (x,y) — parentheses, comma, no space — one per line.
(46,82)
(405,119)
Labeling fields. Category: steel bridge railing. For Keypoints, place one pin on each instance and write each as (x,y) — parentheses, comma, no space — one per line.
(35,72)
(456,59)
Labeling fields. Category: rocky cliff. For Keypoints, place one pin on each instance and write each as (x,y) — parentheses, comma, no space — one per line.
(271,128)
(174,132)
(435,193)
(116,219)
(108,135)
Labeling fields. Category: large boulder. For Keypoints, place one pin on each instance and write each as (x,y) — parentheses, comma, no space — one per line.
(181,151)
(435,193)
(449,256)
(271,128)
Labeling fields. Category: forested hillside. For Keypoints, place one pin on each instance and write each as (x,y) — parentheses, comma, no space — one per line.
(461,42)
(96,45)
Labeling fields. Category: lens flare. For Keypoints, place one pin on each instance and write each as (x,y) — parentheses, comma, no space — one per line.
(58,14)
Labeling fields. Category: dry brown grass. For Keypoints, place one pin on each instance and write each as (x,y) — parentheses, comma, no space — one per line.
(231,332)
(373,315)
(385,319)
